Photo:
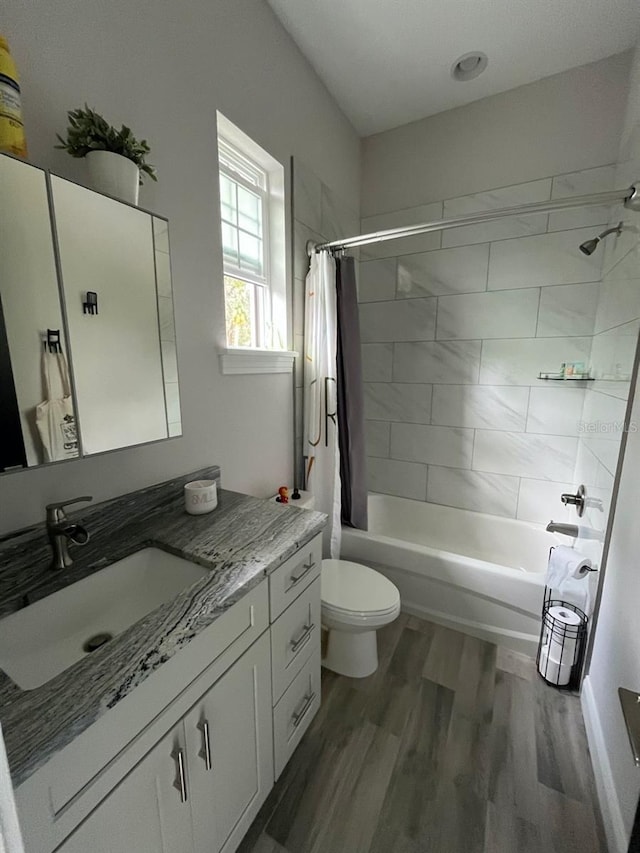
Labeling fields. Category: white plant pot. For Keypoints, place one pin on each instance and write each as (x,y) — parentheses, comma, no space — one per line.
(114,175)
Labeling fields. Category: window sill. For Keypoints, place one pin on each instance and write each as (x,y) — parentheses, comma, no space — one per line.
(235,361)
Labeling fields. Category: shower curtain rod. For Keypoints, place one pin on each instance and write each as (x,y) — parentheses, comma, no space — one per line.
(630,197)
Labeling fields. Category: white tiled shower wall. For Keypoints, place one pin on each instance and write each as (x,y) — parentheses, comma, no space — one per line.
(456,326)
(319,214)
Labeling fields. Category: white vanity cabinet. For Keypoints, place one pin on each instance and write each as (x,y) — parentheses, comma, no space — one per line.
(229,747)
(144,813)
(183,763)
(200,787)
(295,603)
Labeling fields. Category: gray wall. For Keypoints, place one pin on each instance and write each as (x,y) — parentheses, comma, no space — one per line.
(164,71)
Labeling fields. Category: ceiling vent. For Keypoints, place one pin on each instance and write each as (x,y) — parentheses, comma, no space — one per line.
(469,65)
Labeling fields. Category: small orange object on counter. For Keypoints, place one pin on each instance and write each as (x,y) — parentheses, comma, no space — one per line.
(283,495)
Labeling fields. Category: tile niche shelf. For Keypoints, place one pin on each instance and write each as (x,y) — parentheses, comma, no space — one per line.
(560,377)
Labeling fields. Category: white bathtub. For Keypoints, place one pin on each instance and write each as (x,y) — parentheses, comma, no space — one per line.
(478,573)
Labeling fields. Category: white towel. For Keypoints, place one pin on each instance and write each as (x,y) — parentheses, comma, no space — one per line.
(10,836)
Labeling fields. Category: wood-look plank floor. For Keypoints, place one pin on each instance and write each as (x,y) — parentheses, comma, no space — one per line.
(453,746)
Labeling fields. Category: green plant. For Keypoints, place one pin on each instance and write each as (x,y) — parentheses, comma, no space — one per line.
(89,131)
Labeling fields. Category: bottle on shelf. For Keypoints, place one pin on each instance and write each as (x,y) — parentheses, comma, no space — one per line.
(12,136)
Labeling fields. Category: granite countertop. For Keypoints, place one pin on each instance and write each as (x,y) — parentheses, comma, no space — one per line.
(241,542)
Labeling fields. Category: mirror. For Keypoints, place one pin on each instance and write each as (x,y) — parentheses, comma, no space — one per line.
(32,430)
(116,325)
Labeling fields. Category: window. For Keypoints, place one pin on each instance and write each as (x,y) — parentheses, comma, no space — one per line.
(252,225)
(244,214)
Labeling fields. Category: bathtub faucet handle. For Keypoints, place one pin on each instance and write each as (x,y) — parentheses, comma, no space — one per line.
(578,500)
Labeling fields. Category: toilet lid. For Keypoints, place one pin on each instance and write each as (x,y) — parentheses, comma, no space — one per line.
(353,587)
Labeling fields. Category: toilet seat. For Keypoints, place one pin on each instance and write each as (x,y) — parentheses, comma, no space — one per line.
(353,590)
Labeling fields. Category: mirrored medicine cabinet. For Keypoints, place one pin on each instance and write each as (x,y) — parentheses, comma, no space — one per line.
(87,335)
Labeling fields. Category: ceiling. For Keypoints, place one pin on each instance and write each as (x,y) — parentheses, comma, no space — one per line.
(388,62)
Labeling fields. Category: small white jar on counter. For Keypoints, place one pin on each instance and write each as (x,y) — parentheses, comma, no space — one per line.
(200,497)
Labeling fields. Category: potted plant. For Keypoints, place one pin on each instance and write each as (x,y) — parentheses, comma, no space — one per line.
(115,158)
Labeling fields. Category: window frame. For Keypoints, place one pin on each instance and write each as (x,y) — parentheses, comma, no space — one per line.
(232,163)
(276,356)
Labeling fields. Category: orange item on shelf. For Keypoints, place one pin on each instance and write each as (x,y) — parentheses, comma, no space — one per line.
(283,495)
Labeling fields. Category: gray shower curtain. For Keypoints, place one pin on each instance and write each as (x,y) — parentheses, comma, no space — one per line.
(353,474)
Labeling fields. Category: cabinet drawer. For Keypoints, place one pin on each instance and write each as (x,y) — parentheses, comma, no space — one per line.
(295,710)
(294,576)
(293,637)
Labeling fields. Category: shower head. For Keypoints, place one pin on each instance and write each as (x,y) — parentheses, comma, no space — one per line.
(589,246)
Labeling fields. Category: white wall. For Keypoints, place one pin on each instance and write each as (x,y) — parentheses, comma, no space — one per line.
(164,69)
(615,660)
(564,123)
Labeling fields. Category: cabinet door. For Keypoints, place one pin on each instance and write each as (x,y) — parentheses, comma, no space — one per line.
(229,740)
(147,813)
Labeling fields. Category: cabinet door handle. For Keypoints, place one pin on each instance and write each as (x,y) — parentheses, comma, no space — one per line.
(306,568)
(302,639)
(298,716)
(181,781)
(205,752)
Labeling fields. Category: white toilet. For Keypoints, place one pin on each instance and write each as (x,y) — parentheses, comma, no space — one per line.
(356,601)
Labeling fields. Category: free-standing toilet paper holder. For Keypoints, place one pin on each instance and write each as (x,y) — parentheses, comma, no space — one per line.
(563,636)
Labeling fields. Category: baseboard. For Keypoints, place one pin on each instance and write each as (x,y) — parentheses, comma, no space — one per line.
(617,838)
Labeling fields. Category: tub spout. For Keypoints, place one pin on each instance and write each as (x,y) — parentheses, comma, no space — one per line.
(567,529)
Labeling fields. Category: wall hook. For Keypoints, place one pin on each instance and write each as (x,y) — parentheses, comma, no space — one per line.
(52,341)
(90,306)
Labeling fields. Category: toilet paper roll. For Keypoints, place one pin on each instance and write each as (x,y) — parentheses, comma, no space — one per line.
(556,673)
(564,615)
(561,647)
(564,563)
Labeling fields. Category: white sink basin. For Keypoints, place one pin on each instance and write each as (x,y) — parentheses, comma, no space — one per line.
(46,638)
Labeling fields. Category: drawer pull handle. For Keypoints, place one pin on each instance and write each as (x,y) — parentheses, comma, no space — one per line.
(298,716)
(295,578)
(205,752)
(302,639)
(181,782)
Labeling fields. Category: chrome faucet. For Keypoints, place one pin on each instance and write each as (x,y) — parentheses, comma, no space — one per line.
(61,531)
(559,527)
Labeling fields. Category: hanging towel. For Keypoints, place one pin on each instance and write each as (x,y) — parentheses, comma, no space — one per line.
(10,837)
(55,417)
